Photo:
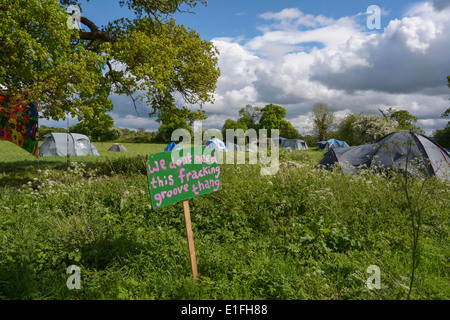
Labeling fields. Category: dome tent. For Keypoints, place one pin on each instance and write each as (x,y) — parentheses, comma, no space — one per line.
(402,150)
(294,144)
(63,144)
(217,144)
(331,143)
(117,148)
(172,146)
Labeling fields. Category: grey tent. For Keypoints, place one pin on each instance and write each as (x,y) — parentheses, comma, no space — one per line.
(59,144)
(117,148)
(295,144)
(402,150)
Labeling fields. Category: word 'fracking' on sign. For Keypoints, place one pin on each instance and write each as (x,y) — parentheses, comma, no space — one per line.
(182,174)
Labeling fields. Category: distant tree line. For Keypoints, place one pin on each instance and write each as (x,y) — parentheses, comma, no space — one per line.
(113,134)
(354,128)
(270,117)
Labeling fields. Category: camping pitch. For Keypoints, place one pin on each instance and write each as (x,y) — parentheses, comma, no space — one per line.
(402,150)
(63,144)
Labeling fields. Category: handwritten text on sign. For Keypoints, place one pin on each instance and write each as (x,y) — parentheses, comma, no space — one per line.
(182,174)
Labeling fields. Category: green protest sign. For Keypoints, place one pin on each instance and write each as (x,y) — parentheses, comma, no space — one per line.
(182,174)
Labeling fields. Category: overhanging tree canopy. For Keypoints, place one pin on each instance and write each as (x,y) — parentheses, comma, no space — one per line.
(74,71)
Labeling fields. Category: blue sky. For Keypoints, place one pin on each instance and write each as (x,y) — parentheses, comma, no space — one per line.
(236,18)
(295,53)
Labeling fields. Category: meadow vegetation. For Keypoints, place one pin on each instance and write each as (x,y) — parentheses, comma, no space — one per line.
(300,234)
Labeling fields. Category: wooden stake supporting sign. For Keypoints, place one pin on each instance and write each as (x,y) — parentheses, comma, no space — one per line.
(190,238)
(180,175)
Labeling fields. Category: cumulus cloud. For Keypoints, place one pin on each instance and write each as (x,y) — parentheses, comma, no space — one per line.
(441,4)
(300,59)
(408,57)
(134,122)
(293,18)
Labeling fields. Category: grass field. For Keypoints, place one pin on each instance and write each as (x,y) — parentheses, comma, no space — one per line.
(301,234)
(18,167)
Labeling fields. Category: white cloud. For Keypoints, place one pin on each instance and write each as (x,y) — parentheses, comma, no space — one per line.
(134,122)
(330,36)
(300,59)
(236,63)
(407,57)
(293,18)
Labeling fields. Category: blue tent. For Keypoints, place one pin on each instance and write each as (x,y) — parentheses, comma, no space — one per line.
(172,146)
(332,143)
(321,144)
(215,143)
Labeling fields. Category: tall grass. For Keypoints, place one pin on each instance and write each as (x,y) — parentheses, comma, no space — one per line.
(301,234)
